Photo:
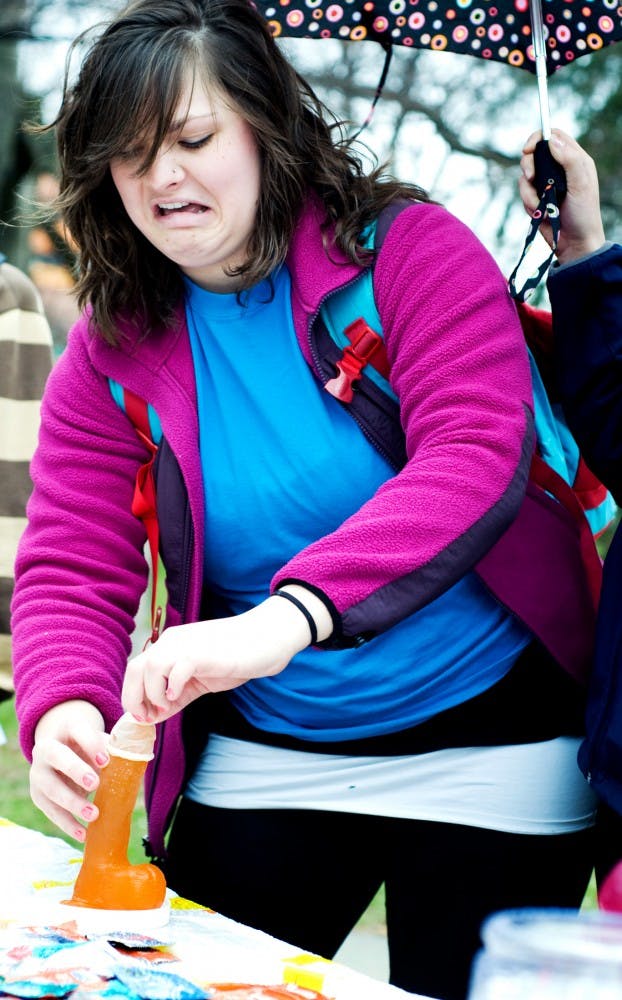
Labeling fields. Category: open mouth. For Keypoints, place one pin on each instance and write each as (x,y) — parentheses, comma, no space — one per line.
(184,207)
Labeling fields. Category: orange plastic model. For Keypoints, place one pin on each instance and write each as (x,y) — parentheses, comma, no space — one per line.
(107,880)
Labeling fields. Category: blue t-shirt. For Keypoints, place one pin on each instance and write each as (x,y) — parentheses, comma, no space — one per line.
(283,465)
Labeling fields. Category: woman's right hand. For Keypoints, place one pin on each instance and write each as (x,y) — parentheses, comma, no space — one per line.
(70,749)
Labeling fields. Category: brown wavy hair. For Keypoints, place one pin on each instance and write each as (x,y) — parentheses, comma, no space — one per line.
(129,85)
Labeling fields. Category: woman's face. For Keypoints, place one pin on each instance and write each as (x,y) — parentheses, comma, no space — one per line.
(198,201)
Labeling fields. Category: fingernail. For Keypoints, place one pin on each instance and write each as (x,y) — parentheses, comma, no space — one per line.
(88,781)
(88,812)
(79,833)
(102,759)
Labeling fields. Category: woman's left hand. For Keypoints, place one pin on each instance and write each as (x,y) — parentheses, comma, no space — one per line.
(188,661)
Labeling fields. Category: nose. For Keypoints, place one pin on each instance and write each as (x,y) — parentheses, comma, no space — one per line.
(166,170)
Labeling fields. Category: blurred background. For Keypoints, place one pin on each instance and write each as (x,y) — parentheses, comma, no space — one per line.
(452,123)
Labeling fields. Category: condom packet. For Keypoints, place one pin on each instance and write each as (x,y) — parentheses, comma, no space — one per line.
(35,959)
(153,984)
(134,941)
(34,988)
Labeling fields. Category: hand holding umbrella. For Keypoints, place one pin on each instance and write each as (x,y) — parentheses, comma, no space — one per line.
(582,230)
(515,32)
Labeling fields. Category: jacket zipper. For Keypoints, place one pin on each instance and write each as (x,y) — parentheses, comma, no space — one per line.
(158,754)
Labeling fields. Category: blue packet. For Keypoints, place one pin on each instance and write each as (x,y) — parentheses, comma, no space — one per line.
(151,984)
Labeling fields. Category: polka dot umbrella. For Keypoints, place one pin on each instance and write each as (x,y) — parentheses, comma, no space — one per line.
(540,36)
(491,29)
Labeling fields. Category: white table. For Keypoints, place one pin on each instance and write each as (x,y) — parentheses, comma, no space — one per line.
(37,872)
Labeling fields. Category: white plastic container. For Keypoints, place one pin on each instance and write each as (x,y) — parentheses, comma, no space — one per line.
(549,955)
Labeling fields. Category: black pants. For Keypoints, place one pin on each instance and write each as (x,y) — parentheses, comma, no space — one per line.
(307,876)
(608,841)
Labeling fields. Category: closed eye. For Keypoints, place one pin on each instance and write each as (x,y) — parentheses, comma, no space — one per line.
(195,143)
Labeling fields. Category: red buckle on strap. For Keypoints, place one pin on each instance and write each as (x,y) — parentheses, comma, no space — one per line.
(365,344)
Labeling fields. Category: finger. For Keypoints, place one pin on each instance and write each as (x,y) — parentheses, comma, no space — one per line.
(155,682)
(565,145)
(528,166)
(532,141)
(90,745)
(53,757)
(61,801)
(133,696)
(568,152)
(182,672)
(61,818)
(528,195)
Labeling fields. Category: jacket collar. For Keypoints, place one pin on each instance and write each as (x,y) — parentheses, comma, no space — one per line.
(316,267)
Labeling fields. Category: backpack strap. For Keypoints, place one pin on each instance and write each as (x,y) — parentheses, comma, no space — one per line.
(547,479)
(144,500)
(558,469)
(362,339)
(556,442)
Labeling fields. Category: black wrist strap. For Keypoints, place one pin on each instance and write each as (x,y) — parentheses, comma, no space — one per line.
(547,211)
(303,610)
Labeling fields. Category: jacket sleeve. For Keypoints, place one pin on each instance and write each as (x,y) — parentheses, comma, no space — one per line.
(80,567)
(586,299)
(459,367)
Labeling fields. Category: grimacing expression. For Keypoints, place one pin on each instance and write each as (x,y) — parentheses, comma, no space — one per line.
(197,202)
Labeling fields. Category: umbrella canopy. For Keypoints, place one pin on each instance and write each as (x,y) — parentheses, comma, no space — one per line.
(527,34)
(540,36)
(490,29)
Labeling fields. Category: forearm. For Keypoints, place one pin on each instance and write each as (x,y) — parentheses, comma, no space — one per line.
(586,301)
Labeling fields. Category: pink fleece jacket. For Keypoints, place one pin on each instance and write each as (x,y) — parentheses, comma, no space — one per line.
(460,369)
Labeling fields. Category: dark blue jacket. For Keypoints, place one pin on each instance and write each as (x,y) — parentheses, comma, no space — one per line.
(586,299)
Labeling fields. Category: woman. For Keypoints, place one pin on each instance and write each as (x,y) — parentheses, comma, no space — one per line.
(344,630)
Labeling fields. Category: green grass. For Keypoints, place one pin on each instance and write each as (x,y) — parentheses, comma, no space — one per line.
(15,801)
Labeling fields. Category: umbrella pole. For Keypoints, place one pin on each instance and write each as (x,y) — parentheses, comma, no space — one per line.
(539,51)
(548,171)
(543,97)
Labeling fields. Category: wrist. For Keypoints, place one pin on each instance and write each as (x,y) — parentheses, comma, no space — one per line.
(60,717)
(310,609)
(575,250)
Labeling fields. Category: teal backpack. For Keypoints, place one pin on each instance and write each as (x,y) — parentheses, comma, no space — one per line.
(363,352)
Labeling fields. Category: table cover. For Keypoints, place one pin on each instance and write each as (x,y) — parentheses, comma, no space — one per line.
(199,953)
